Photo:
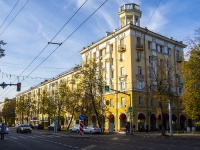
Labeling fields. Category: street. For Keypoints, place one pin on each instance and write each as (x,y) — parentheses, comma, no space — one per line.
(47,140)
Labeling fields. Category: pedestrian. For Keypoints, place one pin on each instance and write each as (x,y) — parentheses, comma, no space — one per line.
(147,130)
(3,130)
(134,128)
(127,128)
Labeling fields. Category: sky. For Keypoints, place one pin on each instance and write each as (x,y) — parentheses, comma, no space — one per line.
(28,25)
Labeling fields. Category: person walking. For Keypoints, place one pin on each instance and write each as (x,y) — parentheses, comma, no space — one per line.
(147,130)
(127,128)
(3,130)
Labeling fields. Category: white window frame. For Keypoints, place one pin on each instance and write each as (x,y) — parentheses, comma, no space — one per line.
(123,101)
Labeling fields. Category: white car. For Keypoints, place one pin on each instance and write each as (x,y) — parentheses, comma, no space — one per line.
(75,128)
(92,129)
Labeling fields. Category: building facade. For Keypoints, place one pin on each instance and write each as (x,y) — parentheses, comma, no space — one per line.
(125,55)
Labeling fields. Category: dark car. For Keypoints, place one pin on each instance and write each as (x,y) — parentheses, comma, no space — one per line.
(24,128)
(39,126)
(51,127)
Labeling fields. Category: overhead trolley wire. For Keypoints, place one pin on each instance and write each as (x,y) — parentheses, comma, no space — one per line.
(9,13)
(47,45)
(14,17)
(69,36)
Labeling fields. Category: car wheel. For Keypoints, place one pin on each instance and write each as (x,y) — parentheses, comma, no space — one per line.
(90,132)
(77,131)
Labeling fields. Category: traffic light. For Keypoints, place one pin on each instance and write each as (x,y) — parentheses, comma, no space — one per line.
(18,86)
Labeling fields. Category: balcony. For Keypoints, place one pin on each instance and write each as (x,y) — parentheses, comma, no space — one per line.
(85,64)
(121,48)
(140,77)
(72,81)
(139,47)
(179,59)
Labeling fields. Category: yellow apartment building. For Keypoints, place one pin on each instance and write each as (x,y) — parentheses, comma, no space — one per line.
(125,56)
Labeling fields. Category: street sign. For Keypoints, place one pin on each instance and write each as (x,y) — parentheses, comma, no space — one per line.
(107,88)
(81,117)
(130,109)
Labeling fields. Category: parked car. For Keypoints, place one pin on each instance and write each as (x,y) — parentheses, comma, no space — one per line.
(75,128)
(92,129)
(24,128)
(38,126)
(7,129)
(51,127)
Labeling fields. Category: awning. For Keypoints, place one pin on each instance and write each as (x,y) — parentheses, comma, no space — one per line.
(182,117)
(141,116)
(122,117)
(174,117)
(111,116)
(153,117)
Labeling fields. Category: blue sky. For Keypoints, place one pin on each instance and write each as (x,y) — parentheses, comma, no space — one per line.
(40,20)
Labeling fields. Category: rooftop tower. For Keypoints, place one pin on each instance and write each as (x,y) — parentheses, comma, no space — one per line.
(129,13)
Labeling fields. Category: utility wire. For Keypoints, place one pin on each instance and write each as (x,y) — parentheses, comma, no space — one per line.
(9,13)
(14,17)
(153,13)
(65,39)
(53,38)
(69,36)
(47,44)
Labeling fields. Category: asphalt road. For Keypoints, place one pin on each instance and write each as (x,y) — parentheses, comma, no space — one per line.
(48,140)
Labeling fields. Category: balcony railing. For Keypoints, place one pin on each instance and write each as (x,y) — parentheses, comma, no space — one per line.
(72,81)
(139,46)
(179,59)
(121,48)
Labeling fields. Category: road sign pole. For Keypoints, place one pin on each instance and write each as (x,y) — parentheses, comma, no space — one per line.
(81,124)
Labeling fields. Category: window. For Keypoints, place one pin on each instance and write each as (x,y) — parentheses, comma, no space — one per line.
(122,85)
(100,53)
(112,86)
(161,49)
(121,56)
(140,85)
(122,42)
(123,101)
(138,40)
(149,45)
(152,102)
(122,71)
(111,47)
(138,56)
(158,48)
(140,101)
(150,59)
(169,51)
(112,73)
(112,61)
(139,70)
(111,103)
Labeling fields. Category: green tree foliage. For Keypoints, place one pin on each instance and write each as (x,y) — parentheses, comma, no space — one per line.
(191,75)
(161,85)
(93,83)
(8,111)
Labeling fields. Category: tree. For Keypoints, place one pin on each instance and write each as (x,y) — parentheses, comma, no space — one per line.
(191,75)
(8,111)
(161,85)
(93,85)
(46,105)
